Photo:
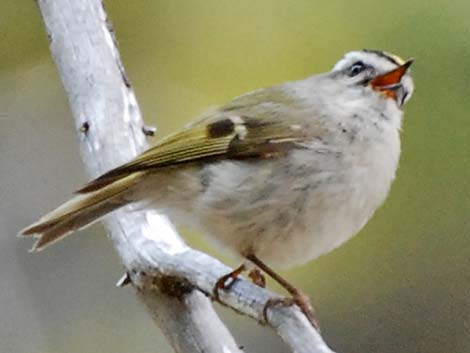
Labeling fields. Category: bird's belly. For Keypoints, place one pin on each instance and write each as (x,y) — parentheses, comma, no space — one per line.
(291,223)
(331,217)
(283,237)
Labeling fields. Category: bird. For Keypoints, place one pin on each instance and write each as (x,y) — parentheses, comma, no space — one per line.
(278,176)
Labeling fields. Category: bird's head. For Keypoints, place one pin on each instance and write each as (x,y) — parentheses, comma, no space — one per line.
(384,73)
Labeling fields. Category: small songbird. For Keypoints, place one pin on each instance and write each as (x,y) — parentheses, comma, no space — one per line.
(278,176)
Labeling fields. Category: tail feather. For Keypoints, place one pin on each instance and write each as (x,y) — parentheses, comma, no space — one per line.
(80,212)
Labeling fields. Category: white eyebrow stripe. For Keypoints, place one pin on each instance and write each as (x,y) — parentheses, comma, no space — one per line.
(387,60)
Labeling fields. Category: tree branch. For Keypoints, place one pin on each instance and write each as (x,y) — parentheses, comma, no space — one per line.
(172,279)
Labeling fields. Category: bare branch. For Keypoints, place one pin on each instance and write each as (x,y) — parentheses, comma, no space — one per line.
(172,279)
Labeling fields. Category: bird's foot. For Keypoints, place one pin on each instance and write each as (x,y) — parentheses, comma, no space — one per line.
(298,298)
(226,281)
(257,277)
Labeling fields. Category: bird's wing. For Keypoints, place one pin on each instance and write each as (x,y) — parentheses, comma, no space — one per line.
(225,134)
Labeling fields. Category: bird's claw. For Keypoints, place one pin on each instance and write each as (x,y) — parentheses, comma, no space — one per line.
(257,277)
(226,281)
(299,299)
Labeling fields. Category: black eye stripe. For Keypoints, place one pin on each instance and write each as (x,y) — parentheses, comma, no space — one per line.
(382,55)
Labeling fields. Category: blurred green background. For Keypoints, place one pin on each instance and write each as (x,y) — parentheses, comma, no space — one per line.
(402,285)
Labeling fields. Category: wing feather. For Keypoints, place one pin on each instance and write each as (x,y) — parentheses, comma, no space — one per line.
(224,135)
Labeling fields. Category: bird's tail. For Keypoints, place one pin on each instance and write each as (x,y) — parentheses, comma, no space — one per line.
(81,211)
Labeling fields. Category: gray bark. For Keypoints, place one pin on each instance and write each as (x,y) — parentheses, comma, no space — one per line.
(173,280)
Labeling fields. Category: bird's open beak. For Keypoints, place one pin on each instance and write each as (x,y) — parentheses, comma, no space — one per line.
(390,82)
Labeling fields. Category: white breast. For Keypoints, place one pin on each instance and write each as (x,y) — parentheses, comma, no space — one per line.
(350,189)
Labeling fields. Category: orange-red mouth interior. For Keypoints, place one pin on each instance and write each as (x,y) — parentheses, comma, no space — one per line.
(385,83)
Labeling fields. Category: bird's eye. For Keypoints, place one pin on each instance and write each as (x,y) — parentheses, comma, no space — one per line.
(356,68)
